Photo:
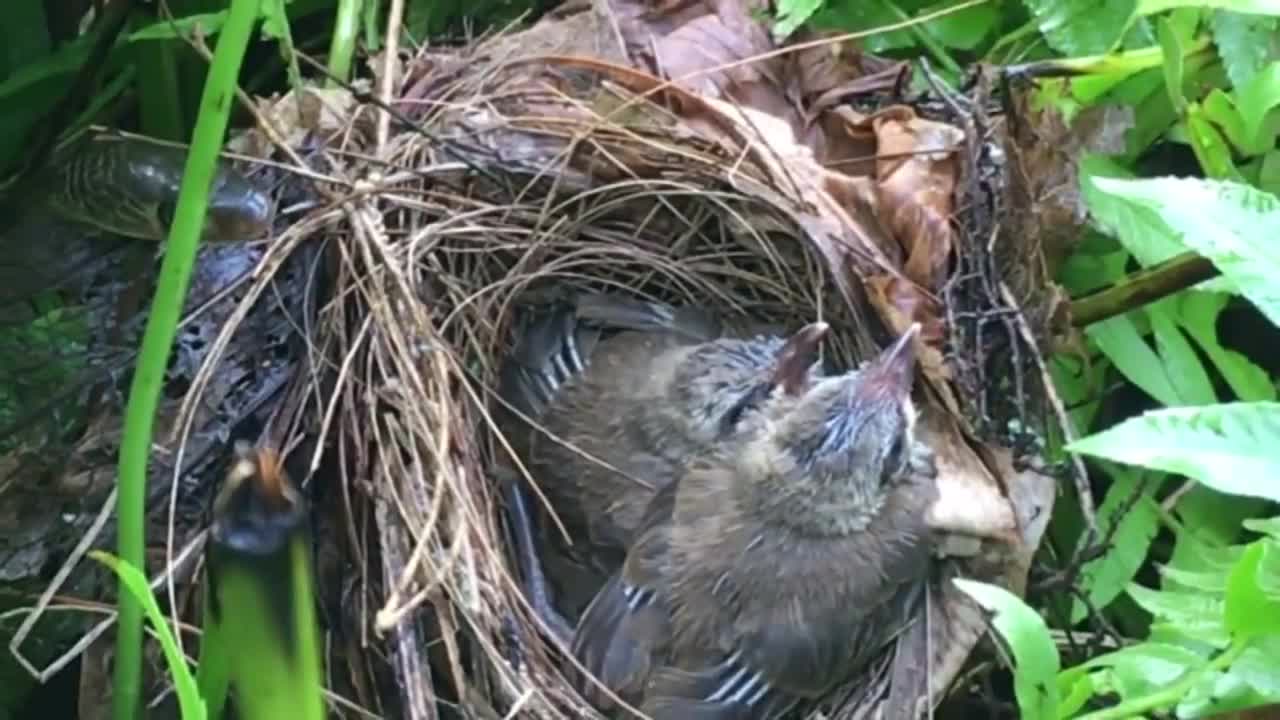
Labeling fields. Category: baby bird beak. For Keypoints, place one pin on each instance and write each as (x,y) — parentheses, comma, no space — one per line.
(893,370)
(800,352)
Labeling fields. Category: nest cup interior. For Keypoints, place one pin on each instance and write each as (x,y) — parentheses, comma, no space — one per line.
(675,245)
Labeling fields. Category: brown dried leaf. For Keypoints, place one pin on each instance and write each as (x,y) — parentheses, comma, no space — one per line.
(1045,208)
(916,171)
(835,73)
(900,303)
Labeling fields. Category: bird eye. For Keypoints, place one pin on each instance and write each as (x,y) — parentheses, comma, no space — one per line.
(894,461)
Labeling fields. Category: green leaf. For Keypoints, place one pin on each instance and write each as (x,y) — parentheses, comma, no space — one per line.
(1244,42)
(1177,605)
(1229,447)
(1203,632)
(1082,27)
(863,16)
(1268,526)
(1210,147)
(1269,173)
(1075,687)
(275,21)
(1220,109)
(792,14)
(1141,669)
(1118,338)
(1035,657)
(965,29)
(1208,581)
(1256,100)
(1197,699)
(1198,314)
(1269,571)
(1182,365)
(206,23)
(1138,227)
(1211,520)
(1263,7)
(1257,667)
(1171,49)
(1231,224)
(193,707)
(1105,577)
(1249,612)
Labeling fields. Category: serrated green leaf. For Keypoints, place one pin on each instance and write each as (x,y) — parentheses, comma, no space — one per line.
(1228,693)
(1118,338)
(1138,227)
(1146,667)
(1181,363)
(1210,146)
(1244,41)
(1035,657)
(1257,665)
(1197,313)
(1229,223)
(1198,698)
(1105,577)
(1256,99)
(1082,27)
(1203,633)
(1206,581)
(1187,616)
(1248,611)
(1210,520)
(1176,605)
(1229,447)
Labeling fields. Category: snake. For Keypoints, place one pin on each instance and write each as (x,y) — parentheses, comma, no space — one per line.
(129,187)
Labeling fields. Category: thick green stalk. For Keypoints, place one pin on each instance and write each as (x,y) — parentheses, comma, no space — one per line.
(166,308)
(346,27)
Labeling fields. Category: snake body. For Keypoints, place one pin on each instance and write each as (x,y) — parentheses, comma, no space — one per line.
(130,188)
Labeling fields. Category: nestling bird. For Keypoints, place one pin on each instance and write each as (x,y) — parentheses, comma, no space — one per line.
(778,563)
(621,391)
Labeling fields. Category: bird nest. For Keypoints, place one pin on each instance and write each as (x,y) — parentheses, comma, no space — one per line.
(557,159)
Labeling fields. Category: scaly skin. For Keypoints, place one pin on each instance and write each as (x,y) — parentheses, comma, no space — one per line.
(130,188)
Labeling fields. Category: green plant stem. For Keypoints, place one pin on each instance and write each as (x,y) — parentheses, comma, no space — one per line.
(934,47)
(286,46)
(213,674)
(346,27)
(1172,693)
(1144,287)
(1127,62)
(1031,27)
(166,308)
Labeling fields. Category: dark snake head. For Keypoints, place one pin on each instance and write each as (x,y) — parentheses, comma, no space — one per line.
(130,188)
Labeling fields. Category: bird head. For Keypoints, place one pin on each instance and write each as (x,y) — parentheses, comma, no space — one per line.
(830,458)
(724,381)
